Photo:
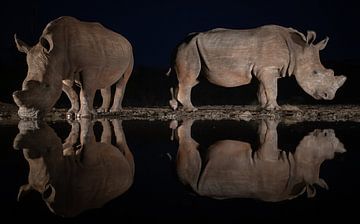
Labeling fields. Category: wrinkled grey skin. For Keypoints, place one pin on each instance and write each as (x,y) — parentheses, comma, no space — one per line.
(230,58)
(71,51)
(72,178)
(233,170)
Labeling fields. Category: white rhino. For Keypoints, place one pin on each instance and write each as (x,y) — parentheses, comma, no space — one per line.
(230,58)
(233,170)
(72,178)
(71,51)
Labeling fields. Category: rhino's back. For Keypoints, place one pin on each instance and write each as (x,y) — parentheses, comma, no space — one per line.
(242,52)
(88,43)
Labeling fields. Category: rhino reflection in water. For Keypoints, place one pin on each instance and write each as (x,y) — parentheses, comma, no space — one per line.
(74,178)
(233,170)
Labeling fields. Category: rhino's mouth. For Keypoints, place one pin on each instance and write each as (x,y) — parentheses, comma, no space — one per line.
(30,113)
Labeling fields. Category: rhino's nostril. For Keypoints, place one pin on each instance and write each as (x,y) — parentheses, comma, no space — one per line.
(325,95)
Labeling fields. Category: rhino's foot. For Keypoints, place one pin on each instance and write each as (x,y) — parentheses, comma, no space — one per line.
(173,104)
(71,113)
(86,114)
(272,107)
(115,109)
(102,110)
(189,109)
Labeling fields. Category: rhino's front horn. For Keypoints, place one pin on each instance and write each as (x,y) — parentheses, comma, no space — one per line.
(21,45)
(340,80)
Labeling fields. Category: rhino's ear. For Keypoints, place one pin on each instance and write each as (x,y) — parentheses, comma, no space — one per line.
(23,190)
(21,45)
(310,37)
(49,193)
(322,44)
(47,43)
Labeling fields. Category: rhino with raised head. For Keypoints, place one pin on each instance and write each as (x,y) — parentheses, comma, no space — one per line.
(71,51)
(72,177)
(230,58)
(232,169)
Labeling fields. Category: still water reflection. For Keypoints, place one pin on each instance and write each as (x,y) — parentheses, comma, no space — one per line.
(232,169)
(79,174)
(86,170)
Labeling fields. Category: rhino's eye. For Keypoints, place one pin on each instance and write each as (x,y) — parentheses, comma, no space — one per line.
(315,72)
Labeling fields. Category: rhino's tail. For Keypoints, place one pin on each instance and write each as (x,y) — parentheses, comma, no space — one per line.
(168,72)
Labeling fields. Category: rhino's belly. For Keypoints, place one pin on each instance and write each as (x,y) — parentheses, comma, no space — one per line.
(229,78)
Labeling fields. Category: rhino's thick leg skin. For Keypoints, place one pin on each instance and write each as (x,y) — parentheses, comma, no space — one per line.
(184,95)
(106,132)
(106,98)
(70,141)
(188,160)
(187,67)
(268,81)
(120,88)
(268,149)
(262,96)
(121,143)
(86,101)
(74,99)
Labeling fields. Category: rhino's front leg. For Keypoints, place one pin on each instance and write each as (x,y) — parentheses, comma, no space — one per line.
(268,89)
(268,149)
(73,97)
(262,96)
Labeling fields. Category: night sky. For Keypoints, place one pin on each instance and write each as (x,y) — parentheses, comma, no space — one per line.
(155,27)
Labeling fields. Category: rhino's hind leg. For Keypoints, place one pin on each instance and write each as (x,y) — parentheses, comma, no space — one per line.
(120,89)
(73,97)
(106,98)
(262,96)
(106,133)
(184,95)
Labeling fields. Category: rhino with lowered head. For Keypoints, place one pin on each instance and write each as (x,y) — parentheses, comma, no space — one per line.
(71,51)
(230,58)
(72,177)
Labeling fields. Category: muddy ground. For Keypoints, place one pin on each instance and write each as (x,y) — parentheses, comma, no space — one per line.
(296,113)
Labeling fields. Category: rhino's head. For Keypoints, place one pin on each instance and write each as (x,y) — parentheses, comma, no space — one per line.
(311,75)
(312,151)
(42,149)
(42,85)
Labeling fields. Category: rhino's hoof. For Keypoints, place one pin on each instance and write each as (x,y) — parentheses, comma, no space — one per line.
(272,107)
(190,109)
(173,104)
(86,116)
(114,110)
(102,110)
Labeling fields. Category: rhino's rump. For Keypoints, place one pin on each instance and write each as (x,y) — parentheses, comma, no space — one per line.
(230,57)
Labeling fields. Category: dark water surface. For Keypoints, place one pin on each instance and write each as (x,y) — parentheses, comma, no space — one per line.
(212,171)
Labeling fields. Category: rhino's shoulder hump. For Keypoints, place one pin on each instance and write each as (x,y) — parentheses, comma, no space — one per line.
(63,20)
